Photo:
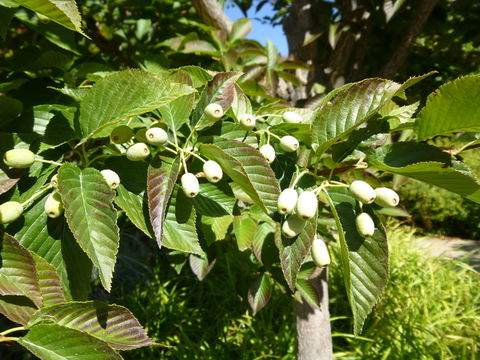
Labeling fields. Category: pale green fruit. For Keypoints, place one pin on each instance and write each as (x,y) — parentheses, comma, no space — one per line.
(289,143)
(212,170)
(307,204)
(293,226)
(291,117)
(10,211)
(53,205)
(365,225)
(156,136)
(213,111)
(54,181)
(386,197)
(137,152)
(268,152)
(19,158)
(320,254)
(121,134)
(190,185)
(247,121)
(111,178)
(287,200)
(362,191)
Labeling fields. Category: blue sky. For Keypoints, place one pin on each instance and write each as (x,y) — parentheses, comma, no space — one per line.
(261,32)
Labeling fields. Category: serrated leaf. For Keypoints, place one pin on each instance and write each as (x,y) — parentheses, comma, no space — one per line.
(215,228)
(179,228)
(199,75)
(122,95)
(52,240)
(18,309)
(219,90)
(241,104)
(453,107)
(248,169)
(214,199)
(294,251)
(244,229)
(240,29)
(134,207)
(43,341)
(429,164)
(64,12)
(48,282)
(308,292)
(160,183)
(200,265)
(200,47)
(110,323)
(349,109)
(91,217)
(9,178)
(364,260)
(259,293)
(18,271)
(260,241)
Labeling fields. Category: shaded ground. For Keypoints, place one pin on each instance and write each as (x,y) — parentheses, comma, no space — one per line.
(452,247)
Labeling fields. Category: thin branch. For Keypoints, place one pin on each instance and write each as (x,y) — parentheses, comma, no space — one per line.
(211,13)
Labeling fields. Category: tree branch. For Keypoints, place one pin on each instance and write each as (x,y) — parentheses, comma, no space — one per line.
(419,18)
(211,13)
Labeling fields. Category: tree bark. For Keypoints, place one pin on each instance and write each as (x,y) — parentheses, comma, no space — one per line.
(419,18)
(212,14)
(314,334)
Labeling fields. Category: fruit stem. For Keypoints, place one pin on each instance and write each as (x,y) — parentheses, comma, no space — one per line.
(4,338)
(298,177)
(185,151)
(48,161)
(8,331)
(36,195)
(182,156)
(171,150)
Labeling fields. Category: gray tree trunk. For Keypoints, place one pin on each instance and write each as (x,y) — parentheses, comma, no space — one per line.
(314,334)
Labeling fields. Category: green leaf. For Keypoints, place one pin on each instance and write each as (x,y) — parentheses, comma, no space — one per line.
(160,183)
(200,265)
(52,240)
(9,178)
(18,309)
(263,241)
(214,199)
(453,107)
(259,293)
(179,227)
(199,75)
(64,13)
(215,228)
(244,229)
(240,29)
(349,109)
(241,104)
(6,16)
(48,282)
(112,324)
(293,251)
(122,95)
(134,207)
(200,47)
(429,164)
(177,113)
(90,214)
(364,260)
(248,169)
(54,342)
(308,292)
(219,90)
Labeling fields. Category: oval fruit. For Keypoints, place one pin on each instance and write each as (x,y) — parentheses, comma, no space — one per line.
(111,178)
(291,117)
(10,211)
(287,200)
(247,121)
(156,136)
(213,111)
(19,158)
(54,181)
(53,205)
(289,143)
(212,170)
(190,185)
(293,226)
(362,191)
(365,225)
(121,134)
(307,204)
(386,197)
(138,151)
(268,152)
(320,254)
